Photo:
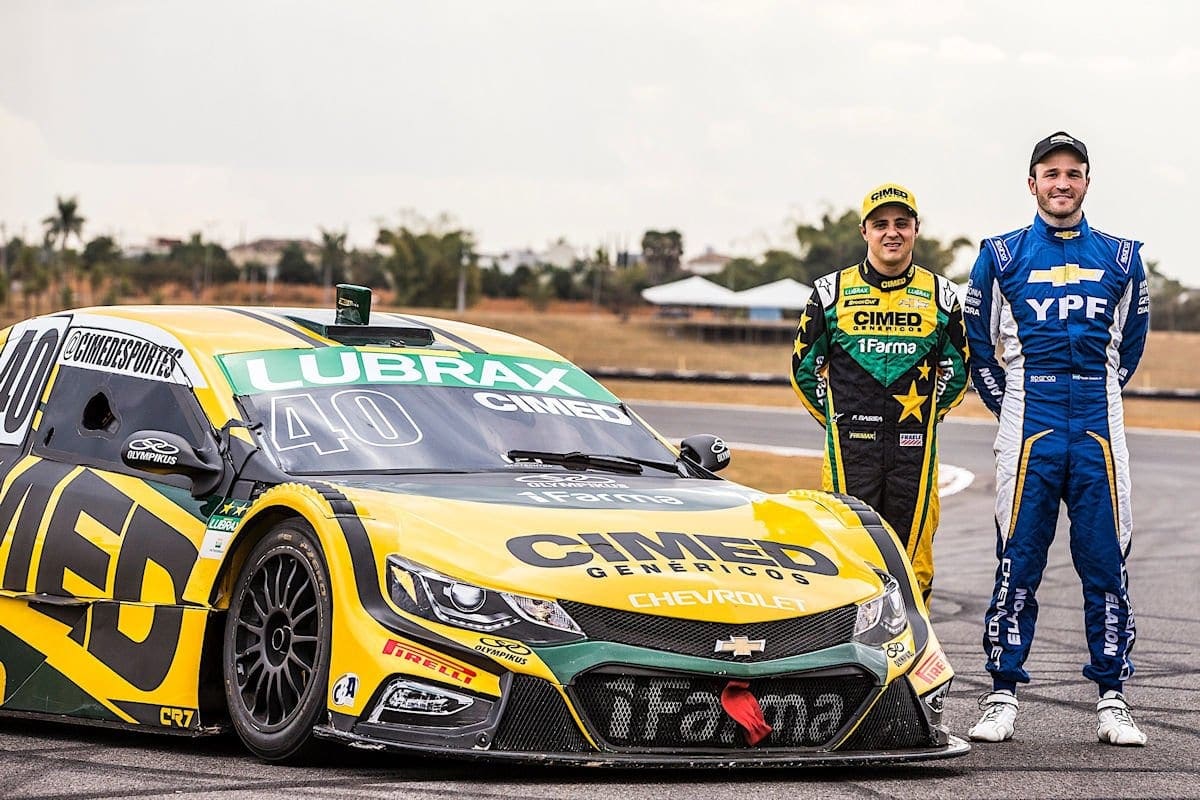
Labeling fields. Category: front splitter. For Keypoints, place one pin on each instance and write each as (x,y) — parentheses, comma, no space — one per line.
(765,758)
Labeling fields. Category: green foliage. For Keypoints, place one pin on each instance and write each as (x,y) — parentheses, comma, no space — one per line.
(206,262)
(837,242)
(539,290)
(333,257)
(100,251)
(1172,305)
(294,267)
(366,269)
(64,223)
(624,290)
(424,265)
(494,283)
(662,251)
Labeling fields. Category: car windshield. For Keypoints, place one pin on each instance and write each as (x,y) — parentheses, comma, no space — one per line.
(341,410)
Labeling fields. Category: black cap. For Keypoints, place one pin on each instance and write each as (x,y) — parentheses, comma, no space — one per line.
(1057,141)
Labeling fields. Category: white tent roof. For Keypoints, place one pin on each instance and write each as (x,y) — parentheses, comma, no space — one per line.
(783,293)
(693,291)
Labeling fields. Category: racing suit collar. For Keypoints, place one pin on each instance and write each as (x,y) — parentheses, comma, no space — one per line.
(1052,233)
(883,282)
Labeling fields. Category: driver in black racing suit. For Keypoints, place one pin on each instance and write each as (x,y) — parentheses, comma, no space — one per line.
(880,357)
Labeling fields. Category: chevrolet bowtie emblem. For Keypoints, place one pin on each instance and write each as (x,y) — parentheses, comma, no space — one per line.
(740,645)
(1064,275)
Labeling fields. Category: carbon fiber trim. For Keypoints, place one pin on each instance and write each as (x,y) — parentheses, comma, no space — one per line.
(536,719)
(895,722)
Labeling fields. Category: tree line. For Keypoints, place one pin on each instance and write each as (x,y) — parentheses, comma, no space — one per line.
(435,264)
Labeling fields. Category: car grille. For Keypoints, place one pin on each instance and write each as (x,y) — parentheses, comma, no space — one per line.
(681,711)
(785,637)
(895,722)
(536,719)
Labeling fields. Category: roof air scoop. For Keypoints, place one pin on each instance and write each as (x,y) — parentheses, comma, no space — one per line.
(353,304)
(352,316)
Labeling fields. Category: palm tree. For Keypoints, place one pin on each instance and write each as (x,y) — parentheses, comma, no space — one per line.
(64,224)
(333,257)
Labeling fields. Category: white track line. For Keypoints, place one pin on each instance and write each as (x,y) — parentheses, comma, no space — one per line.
(951,479)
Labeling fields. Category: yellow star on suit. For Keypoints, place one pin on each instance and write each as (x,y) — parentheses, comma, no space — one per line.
(912,403)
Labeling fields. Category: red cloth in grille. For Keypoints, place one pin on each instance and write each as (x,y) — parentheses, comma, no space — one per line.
(745,710)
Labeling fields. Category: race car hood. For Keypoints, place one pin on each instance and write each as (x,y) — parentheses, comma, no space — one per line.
(689,548)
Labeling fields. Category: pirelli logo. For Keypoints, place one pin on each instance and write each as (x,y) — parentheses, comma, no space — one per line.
(932,667)
(430,660)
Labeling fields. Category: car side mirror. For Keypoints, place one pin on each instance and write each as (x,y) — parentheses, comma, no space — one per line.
(166,453)
(707,450)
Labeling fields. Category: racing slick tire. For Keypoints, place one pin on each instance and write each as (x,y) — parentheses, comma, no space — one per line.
(275,661)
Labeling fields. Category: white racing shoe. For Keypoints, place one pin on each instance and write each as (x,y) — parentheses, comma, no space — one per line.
(1115,724)
(999,717)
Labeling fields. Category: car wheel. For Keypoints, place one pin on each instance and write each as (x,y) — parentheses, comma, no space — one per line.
(276,654)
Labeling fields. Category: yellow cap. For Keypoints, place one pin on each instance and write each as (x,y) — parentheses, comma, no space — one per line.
(886,194)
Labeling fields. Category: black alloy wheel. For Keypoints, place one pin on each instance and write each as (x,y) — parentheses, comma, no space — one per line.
(276,654)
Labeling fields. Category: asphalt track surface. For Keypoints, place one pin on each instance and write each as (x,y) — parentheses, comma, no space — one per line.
(1054,755)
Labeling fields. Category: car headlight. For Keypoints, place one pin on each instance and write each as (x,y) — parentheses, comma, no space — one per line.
(430,594)
(882,618)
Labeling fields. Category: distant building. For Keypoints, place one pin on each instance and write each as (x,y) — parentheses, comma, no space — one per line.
(709,262)
(560,255)
(269,251)
(510,261)
(158,246)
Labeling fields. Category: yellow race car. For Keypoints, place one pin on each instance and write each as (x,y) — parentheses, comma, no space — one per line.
(412,533)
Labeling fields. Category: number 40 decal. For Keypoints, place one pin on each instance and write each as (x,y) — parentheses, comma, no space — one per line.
(25,362)
(373,418)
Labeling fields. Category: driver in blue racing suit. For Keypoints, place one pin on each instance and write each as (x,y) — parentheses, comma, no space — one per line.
(1056,315)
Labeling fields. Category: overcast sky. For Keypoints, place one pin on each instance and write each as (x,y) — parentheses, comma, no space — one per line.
(527,121)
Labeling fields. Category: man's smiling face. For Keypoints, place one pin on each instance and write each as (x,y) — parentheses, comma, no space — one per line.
(890,233)
(1060,182)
